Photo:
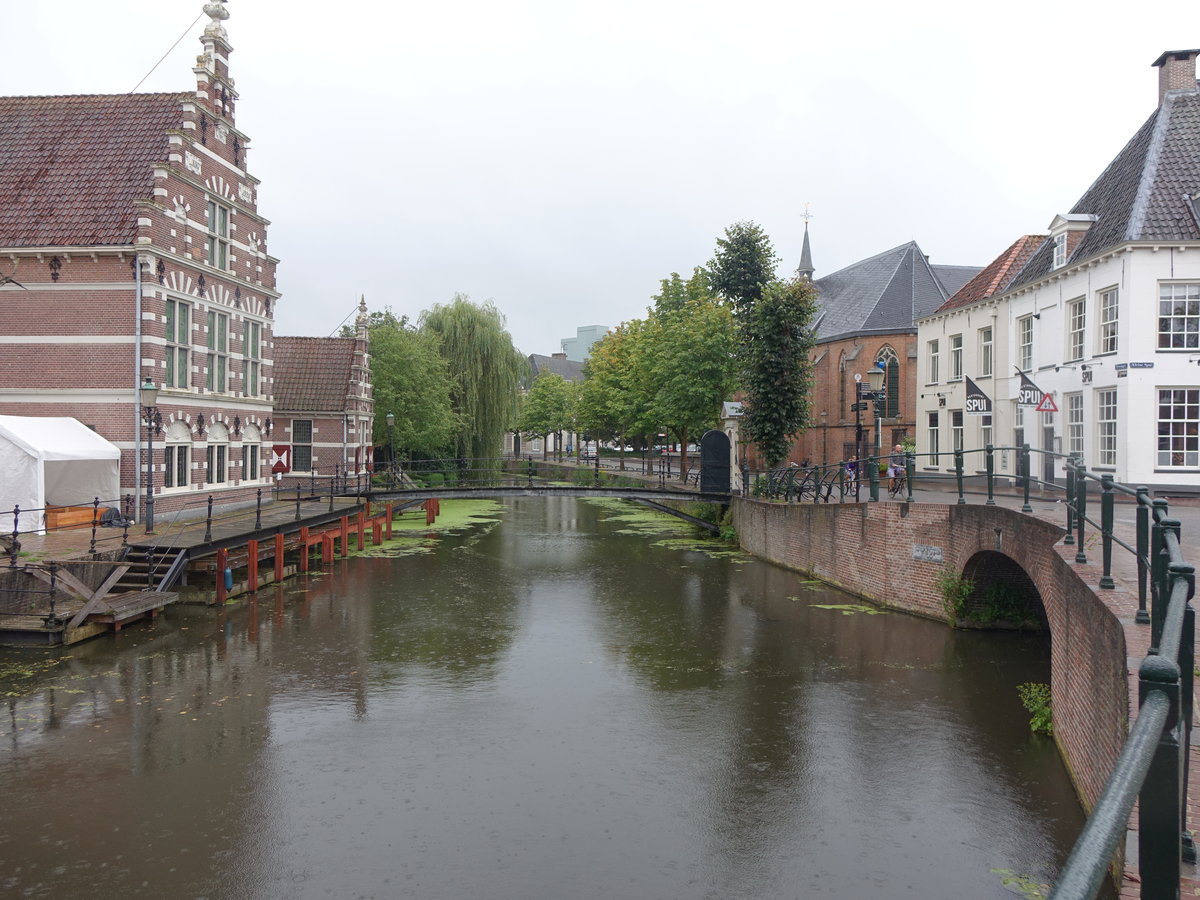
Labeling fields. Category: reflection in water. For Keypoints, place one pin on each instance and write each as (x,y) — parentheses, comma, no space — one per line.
(543,709)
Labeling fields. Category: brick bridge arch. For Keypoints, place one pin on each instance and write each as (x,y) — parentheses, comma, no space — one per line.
(892,553)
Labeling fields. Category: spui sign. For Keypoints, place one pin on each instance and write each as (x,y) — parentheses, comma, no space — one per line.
(1029,393)
(978,403)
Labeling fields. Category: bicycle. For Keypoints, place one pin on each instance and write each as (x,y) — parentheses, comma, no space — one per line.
(899,484)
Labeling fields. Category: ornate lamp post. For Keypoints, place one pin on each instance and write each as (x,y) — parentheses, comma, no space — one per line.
(391,424)
(148,395)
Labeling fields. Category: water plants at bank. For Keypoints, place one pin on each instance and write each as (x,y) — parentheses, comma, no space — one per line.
(1035,698)
(673,533)
(955,589)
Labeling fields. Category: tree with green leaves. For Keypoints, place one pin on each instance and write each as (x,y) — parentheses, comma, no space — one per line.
(486,370)
(744,264)
(774,323)
(411,380)
(690,357)
(548,408)
(614,398)
(775,356)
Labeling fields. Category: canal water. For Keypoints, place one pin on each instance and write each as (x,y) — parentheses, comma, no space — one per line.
(547,706)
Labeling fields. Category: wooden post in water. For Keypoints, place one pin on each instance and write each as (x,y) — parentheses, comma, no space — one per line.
(360,526)
(279,557)
(390,512)
(252,564)
(304,549)
(345,536)
(327,546)
(222,565)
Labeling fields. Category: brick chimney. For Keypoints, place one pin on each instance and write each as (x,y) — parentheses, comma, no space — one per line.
(558,356)
(1176,72)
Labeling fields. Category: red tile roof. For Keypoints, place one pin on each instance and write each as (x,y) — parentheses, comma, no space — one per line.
(71,167)
(995,276)
(312,374)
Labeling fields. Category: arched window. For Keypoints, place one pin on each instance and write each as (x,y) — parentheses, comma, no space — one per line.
(842,404)
(177,456)
(217,455)
(251,453)
(891,381)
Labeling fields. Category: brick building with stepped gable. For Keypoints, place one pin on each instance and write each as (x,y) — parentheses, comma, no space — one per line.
(130,226)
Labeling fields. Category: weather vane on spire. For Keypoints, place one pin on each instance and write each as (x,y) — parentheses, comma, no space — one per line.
(806,214)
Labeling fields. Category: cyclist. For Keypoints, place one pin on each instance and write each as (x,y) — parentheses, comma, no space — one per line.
(897,469)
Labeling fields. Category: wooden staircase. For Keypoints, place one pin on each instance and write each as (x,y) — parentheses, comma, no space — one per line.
(148,566)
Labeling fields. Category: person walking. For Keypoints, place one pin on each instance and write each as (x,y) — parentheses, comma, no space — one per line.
(897,467)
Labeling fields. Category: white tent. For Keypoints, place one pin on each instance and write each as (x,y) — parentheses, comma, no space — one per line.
(58,461)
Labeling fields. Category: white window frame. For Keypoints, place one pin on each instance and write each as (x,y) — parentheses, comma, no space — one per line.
(1108,314)
(218,235)
(956,429)
(1076,326)
(932,371)
(934,437)
(251,464)
(251,357)
(956,357)
(985,429)
(1073,406)
(302,440)
(986,346)
(1106,427)
(177,352)
(1060,251)
(1025,343)
(1178,419)
(216,375)
(1179,316)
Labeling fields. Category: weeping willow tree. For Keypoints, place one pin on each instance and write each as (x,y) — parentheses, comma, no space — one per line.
(486,370)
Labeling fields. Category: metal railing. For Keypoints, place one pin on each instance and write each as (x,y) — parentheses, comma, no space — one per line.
(1152,767)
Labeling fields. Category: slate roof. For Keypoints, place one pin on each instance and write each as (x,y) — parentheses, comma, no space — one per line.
(995,276)
(1146,192)
(568,368)
(312,374)
(71,167)
(885,293)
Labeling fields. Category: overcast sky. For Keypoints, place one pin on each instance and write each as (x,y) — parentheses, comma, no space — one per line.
(559,158)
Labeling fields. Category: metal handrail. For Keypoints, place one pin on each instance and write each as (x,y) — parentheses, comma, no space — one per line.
(1152,767)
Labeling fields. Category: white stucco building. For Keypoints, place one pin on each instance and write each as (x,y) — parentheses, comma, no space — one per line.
(1102,315)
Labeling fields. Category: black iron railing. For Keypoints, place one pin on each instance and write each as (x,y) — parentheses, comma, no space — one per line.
(1152,768)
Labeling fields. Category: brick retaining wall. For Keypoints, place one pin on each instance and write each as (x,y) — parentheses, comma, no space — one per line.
(888,553)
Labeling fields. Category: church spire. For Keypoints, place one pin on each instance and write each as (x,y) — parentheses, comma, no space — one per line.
(805,269)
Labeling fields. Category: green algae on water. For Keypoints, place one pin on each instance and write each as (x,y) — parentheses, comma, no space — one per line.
(848,609)
(412,537)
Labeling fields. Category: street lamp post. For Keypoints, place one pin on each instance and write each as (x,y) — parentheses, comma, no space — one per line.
(148,395)
(878,398)
(824,438)
(859,406)
(391,424)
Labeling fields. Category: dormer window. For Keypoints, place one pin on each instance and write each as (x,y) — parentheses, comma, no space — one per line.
(1066,231)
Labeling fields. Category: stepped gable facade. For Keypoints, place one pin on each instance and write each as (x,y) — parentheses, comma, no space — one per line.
(130,230)
(324,406)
